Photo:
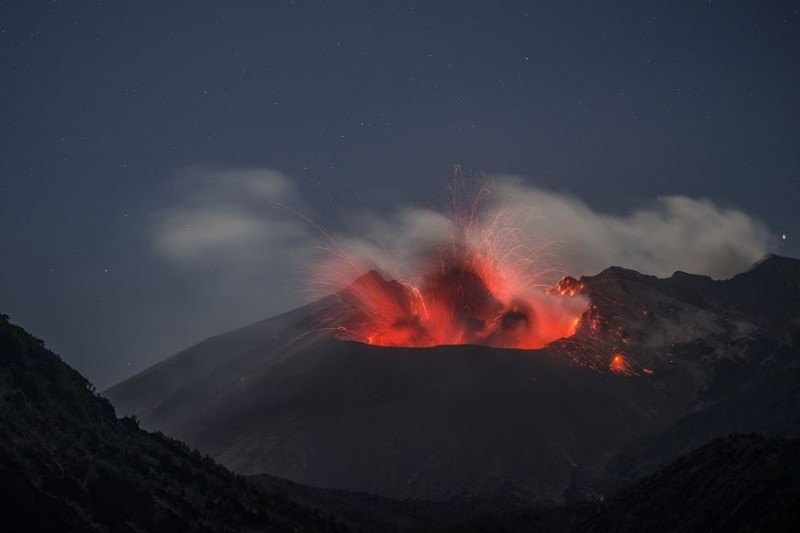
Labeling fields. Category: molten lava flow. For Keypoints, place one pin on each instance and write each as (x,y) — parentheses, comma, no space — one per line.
(481,282)
(620,365)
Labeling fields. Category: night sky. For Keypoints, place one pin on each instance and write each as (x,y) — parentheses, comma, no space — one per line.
(123,121)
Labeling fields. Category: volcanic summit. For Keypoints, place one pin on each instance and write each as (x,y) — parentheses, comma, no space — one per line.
(655,368)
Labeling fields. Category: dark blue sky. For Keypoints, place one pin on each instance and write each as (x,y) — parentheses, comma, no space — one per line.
(106,103)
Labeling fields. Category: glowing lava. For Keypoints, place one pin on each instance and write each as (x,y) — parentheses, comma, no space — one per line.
(482,281)
(620,365)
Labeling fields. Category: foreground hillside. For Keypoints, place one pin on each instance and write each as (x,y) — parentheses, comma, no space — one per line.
(68,464)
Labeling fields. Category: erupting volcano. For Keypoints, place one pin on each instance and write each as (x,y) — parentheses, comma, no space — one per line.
(483,280)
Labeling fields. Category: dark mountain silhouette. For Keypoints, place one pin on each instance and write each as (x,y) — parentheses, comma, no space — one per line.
(737,483)
(657,368)
(68,464)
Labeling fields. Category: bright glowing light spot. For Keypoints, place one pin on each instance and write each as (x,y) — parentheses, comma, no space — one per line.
(480,282)
(620,365)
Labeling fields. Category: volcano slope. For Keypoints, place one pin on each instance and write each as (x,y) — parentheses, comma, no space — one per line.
(656,368)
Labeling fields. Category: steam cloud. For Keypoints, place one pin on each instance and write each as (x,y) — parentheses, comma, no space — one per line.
(674,233)
(225,217)
(238,256)
(255,258)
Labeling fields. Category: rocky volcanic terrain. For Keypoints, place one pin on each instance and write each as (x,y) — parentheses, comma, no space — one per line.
(68,464)
(657,368)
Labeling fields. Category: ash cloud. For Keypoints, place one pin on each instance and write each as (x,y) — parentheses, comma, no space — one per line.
(694,235)
(236,250)
(565,236)
(246,260)
(225,216)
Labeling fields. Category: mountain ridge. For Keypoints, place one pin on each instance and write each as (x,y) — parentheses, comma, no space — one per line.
(431,421)
(114,476)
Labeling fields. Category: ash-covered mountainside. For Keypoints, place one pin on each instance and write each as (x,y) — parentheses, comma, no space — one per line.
(68,464)
(656,368)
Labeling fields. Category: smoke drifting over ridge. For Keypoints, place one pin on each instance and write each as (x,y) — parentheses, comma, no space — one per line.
(258,256)
(673,233)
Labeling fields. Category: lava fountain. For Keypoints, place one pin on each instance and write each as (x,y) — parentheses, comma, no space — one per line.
(482,280)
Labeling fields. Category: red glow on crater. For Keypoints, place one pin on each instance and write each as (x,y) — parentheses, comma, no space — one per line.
(483,281)
(620,365)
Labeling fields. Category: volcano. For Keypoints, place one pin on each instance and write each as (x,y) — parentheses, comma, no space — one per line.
(655,368)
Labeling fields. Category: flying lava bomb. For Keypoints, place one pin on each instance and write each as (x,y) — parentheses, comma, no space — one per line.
(483,280)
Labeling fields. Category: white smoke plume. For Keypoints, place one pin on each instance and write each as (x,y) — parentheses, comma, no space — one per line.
(672,233)
(238,255)
(255,257)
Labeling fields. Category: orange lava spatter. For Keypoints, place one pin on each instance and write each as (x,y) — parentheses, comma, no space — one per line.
(620,365)
(480,284)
